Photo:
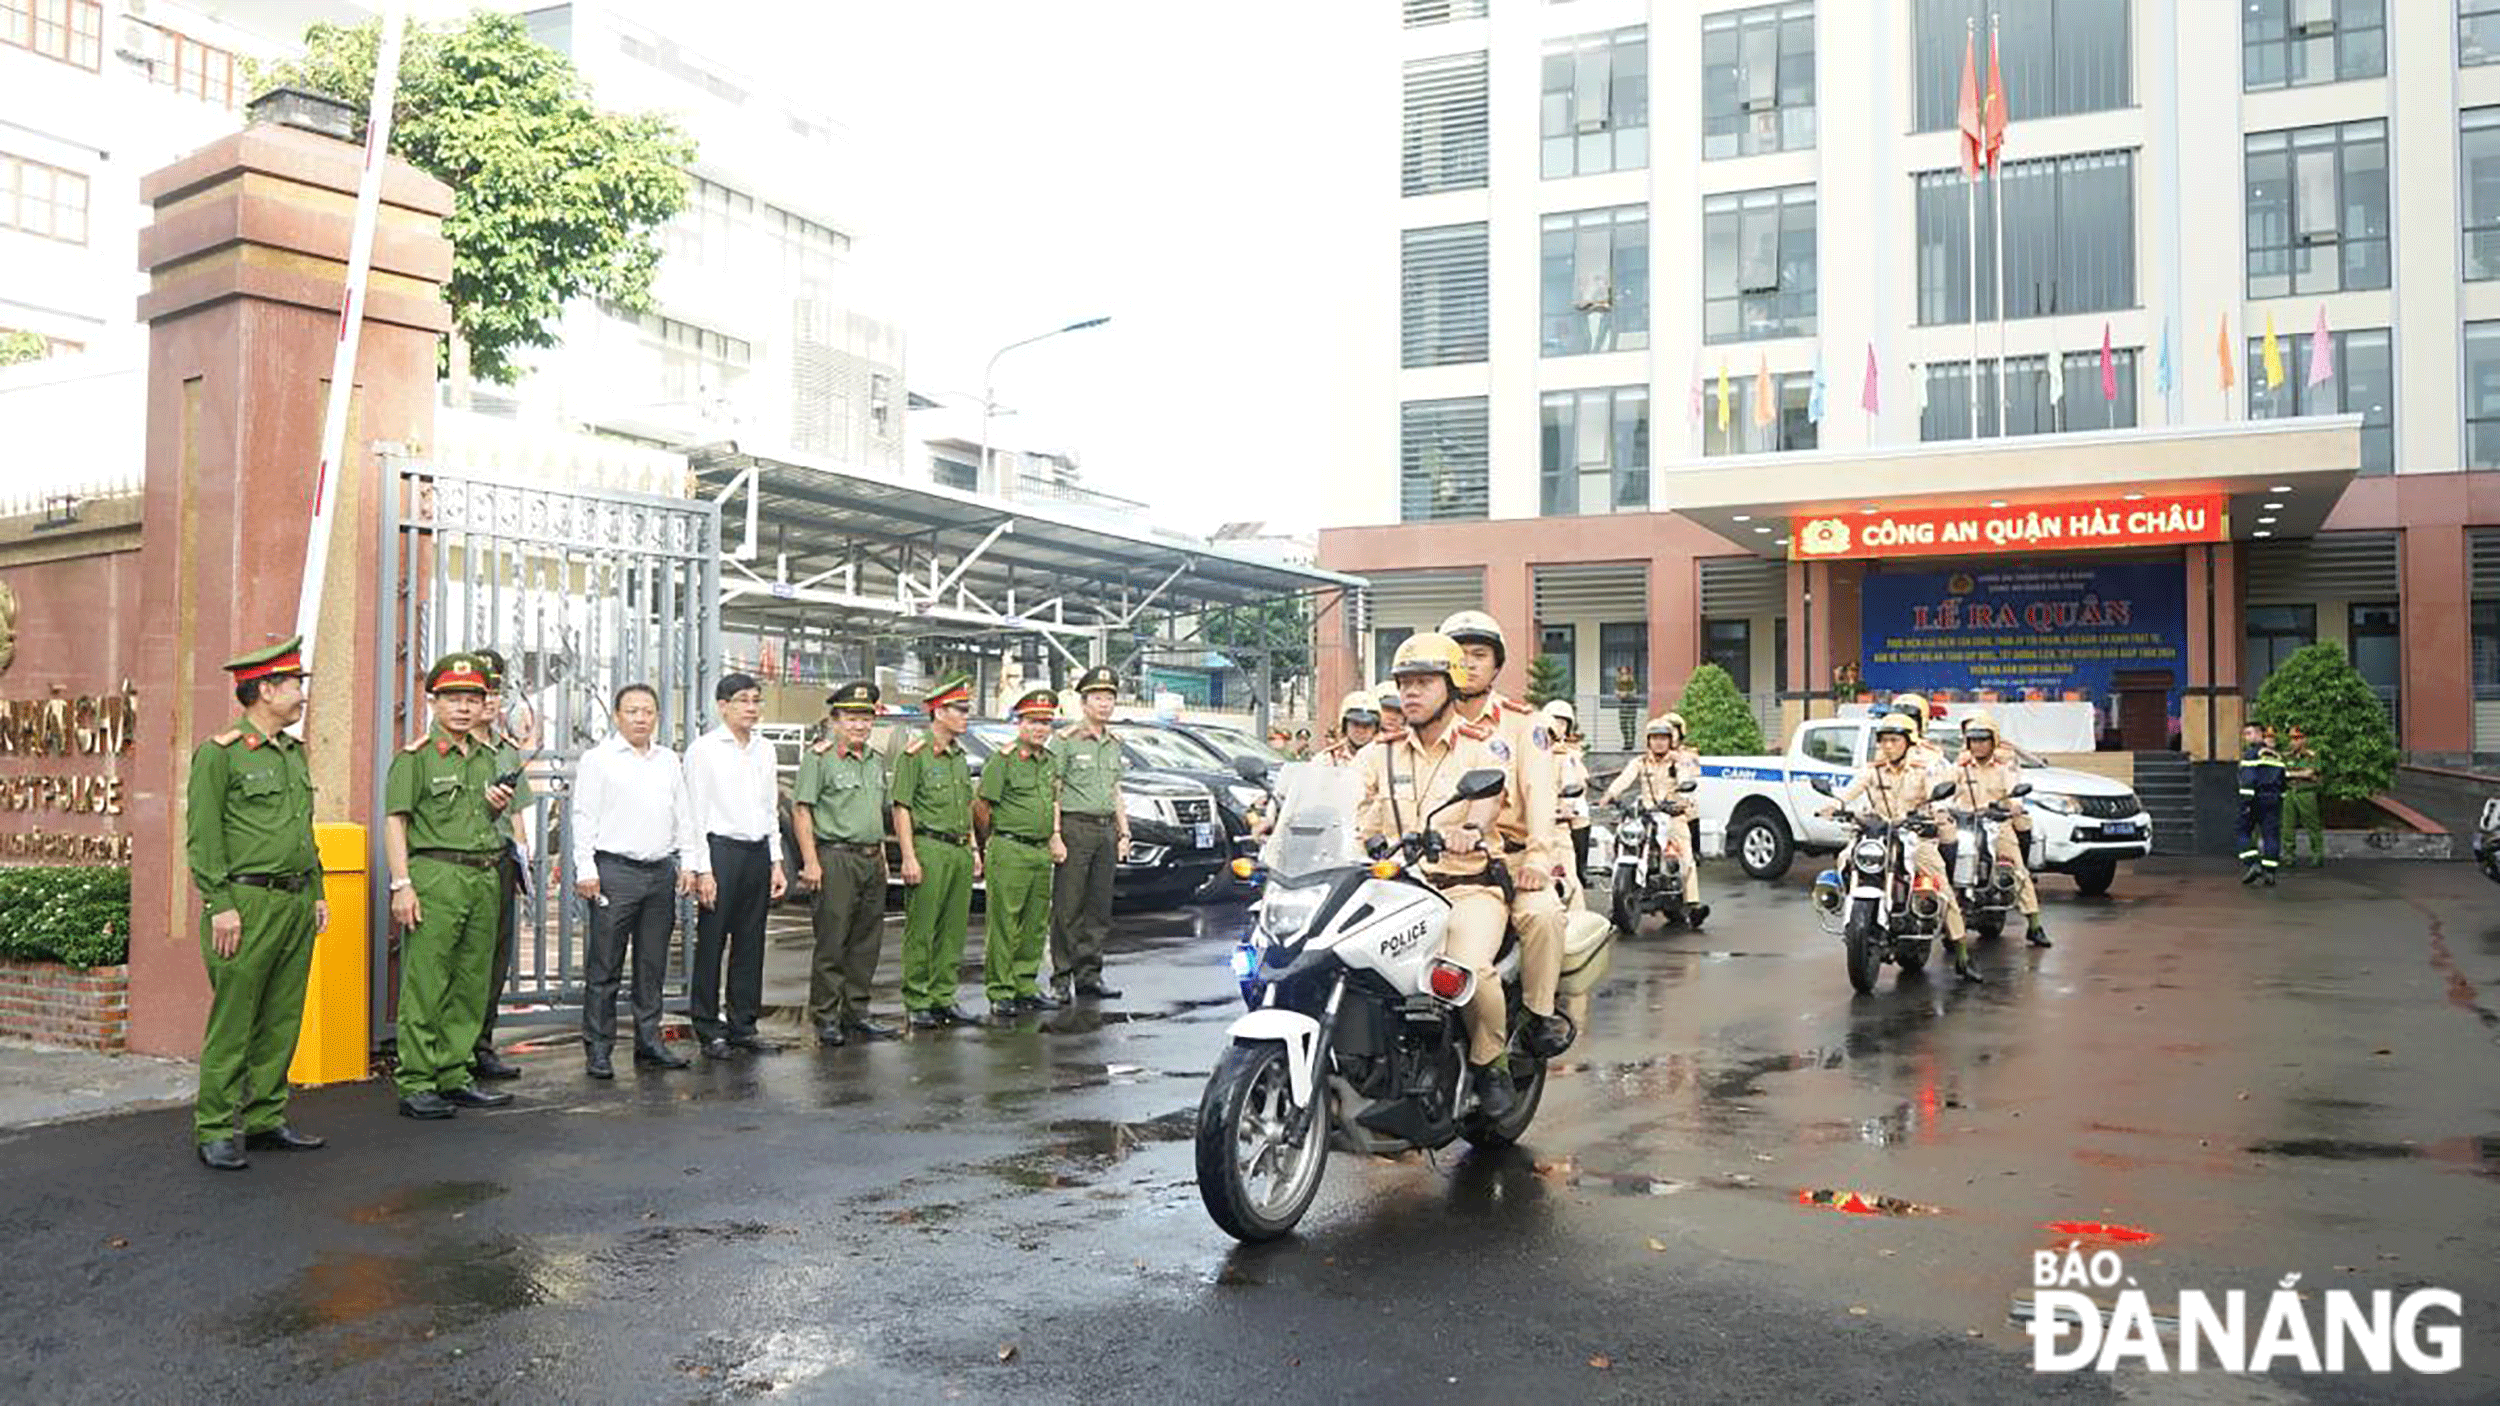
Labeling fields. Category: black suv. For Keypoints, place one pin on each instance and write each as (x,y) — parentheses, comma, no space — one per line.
(1165,747)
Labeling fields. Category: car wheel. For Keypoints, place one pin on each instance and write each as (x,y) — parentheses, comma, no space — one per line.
(2094,876)
(1762,844)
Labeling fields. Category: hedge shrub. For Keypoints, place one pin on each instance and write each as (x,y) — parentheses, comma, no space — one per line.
(78,915)
(2320,689)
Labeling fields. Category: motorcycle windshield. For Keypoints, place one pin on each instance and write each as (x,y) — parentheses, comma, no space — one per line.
(1314,821)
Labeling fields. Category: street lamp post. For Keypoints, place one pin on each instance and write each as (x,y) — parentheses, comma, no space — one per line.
(989,374)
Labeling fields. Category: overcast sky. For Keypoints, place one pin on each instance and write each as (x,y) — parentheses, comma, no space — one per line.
(1179,167)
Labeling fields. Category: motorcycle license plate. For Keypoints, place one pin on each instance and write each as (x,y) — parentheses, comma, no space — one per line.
(1203,835)
(2491,815)
(2121,828)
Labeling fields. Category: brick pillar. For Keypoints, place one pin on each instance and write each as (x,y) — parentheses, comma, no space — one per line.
(2210,730)
(1510,597)
(246,263)
(1674,626)
(2438,714)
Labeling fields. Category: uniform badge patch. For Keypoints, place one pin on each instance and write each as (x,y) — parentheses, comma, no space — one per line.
(1498,748)
(1540,738)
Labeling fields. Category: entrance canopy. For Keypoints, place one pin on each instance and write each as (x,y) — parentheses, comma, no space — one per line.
(2124,488)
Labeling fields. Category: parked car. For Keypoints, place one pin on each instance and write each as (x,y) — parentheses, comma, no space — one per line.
(1169,747)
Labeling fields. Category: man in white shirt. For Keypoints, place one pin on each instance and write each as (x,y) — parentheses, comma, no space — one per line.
(730,775)
(635,849)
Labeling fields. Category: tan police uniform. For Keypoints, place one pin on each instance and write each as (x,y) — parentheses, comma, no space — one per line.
(1402,782)
(1988,783)
(1895,793)
(1529,836)
(1657,778)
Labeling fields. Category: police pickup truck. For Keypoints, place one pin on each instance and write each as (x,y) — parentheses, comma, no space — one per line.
(1763,810)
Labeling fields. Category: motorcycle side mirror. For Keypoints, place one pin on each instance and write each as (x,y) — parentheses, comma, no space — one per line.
(2022,790)
(1483,783)
(1252,769)
(1943,789)
(1689,786)
(1820,782)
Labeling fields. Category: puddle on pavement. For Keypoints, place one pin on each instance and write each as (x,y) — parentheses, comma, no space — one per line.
(1082,1148)
(376,1303)
(2479,1152)
(425,1199)
(767,1365)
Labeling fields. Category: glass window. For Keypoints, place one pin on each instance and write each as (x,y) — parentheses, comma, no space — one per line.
(2273,634)
(1833,746)
(1423,12)
(1594,277)
(2376,649)
(42,200)
(1561,643)
(2482,395)
(2479,150)
(2362,381)
(2069,238)
(1445,124)
(1595,113)
(1595,451)
(1442,460)
(1444,297)
(1385,642)
(2484,616)
(71,31)
(1757,81)
(1758,264)
(2478,31)
(1790,427)
(2290,43)
(2058,56)
(2033,402)
(1729,644)
(1623,650)
(2317,209)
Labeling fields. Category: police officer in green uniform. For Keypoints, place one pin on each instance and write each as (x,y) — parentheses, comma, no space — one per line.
(249,839)
(1016,815)
(1096,832)
(932,798)
(2303,801)
(483,1061)
(444,801)
(839,811)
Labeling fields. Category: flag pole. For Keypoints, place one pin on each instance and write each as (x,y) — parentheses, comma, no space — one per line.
(1970,212)
(1996,180)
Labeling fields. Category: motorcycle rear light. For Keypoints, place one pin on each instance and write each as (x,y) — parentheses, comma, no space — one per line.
(1925,883)
(1243,869)
(1384,869)
(1447,980)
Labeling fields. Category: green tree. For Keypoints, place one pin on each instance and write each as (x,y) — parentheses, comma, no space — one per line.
(552,199)
(1281,628)
(2319,689)
(1717,720)
(1547,680)
(22,346)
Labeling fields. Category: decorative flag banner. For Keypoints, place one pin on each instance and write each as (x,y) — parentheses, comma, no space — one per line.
(2321,352)
(2222,352)
(1867,398)
(1814,398)
(1993,120)
(2274,355)
(2109,367)
(1971,142)
(2023,527)
(1723,395)
(2057,377)
(1692,411)
(1919,387)
(1765,399)
(2161,372)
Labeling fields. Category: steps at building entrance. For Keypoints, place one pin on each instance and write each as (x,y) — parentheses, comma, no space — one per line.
(2168,789)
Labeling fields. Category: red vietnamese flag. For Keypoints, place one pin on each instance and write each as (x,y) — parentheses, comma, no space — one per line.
(1993,119)
(1969,118)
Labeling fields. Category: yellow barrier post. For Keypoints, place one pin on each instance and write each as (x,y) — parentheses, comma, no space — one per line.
(335,1045)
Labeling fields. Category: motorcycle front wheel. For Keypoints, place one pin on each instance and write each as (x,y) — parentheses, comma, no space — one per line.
(1866,961)
(1989,926)
(1255,1179)
(1911,955)
(1527,1091)
(1623,914)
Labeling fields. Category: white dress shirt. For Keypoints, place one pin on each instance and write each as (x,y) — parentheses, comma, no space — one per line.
(634,803)
(736,789)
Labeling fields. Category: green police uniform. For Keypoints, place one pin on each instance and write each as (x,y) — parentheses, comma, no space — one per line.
(249,841)
(1089,807)
(844,795)
(936,788)
(1021,792)
(456,841)
(2303,806)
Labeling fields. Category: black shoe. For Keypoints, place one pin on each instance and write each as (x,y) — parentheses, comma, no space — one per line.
(867,1028)
(2249,876)
(832,1036)
(646,1057)
(474,1097)
(2269,876)
(427,1104)
(1696,914)
(952,1014)
(598,1064)
(1097,990)
(2038,936)
(282,1139)
(1005,1012)
(490,1065)
(1546,1036)
(1962,965)
(716,1048)
(927,1020)
(224,1155)
(755,1044)
(1042,1001)
(1494,1097)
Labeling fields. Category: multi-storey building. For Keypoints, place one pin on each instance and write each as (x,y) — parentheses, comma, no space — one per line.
(1612,226)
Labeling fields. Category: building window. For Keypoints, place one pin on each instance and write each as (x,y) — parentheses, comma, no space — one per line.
(1790,427)
(1758,264)
(2484,622)
(2482,395)
(44,200)
(2478,31)
(955,473)
(2069,239)
(1594,271)
(2033,404)
(2273,634)
(2059,57)
(1385,642)
(2317,209)
(1442,460)
(1423,12)
(880,405)
(1757,81)
(2375,636)
(1729,644)
(2479,148)
(1445,124)
(69,30)
(1444,295)
(2363,382)
(1623,658)
(697,366)
(186,65)
(1561,643)
(1596,104)
(2292,43)
(1595,451)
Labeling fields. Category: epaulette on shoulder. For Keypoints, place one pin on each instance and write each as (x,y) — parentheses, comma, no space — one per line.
(1477,731)
(822,747)
(1512,705)
(416,746)
(1069,733)
(228,738)
(912,746)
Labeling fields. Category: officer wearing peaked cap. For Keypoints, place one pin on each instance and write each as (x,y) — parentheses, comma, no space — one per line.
(838,809)
(932,800)
(248,838)
(1016,813)
(1094,828)
(484,1061)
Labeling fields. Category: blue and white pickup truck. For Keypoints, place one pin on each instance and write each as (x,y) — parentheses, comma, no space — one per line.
(1763,810)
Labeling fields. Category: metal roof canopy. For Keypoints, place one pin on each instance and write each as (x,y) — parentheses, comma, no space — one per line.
(806,542)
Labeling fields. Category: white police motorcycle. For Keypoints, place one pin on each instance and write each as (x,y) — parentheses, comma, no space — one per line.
(1883,910)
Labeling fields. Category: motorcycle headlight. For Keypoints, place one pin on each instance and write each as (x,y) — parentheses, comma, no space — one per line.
(1245,961)
(1869,855)
(1628,830)
(2051,801)
(1246,797)
(1288,911)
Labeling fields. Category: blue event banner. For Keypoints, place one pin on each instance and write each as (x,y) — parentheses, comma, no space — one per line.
(2048,627)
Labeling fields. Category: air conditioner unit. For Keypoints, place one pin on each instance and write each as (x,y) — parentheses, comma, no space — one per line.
(140,42)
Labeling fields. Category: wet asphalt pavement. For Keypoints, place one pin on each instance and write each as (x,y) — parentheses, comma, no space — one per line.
(2261,1082)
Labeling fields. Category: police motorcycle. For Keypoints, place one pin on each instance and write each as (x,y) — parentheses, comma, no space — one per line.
(2487,840)
(1984,887)
(1647,877)
(1884,910)
(1355,1037)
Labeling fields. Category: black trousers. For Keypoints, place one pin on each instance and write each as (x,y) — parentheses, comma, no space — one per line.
(640,909)
(742,874)
(499,974)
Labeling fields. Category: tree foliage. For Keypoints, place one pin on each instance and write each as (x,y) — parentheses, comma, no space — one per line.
(1718,722)
(22,346)
(1281,627)
(2319,689)
(553,199)
(78,915)
(1547,679)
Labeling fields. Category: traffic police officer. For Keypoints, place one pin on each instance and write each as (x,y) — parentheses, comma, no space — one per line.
(1359,719)
(1016,816)
(932,798)
(249,841)
(838,807)
(1916,708)
(2303,796)
(1895,786)
(1392,716)
(483,1061)
(444,800)
(1571,781)
(1988,776)
(1094,830)
(1664,765)
(2261,806)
